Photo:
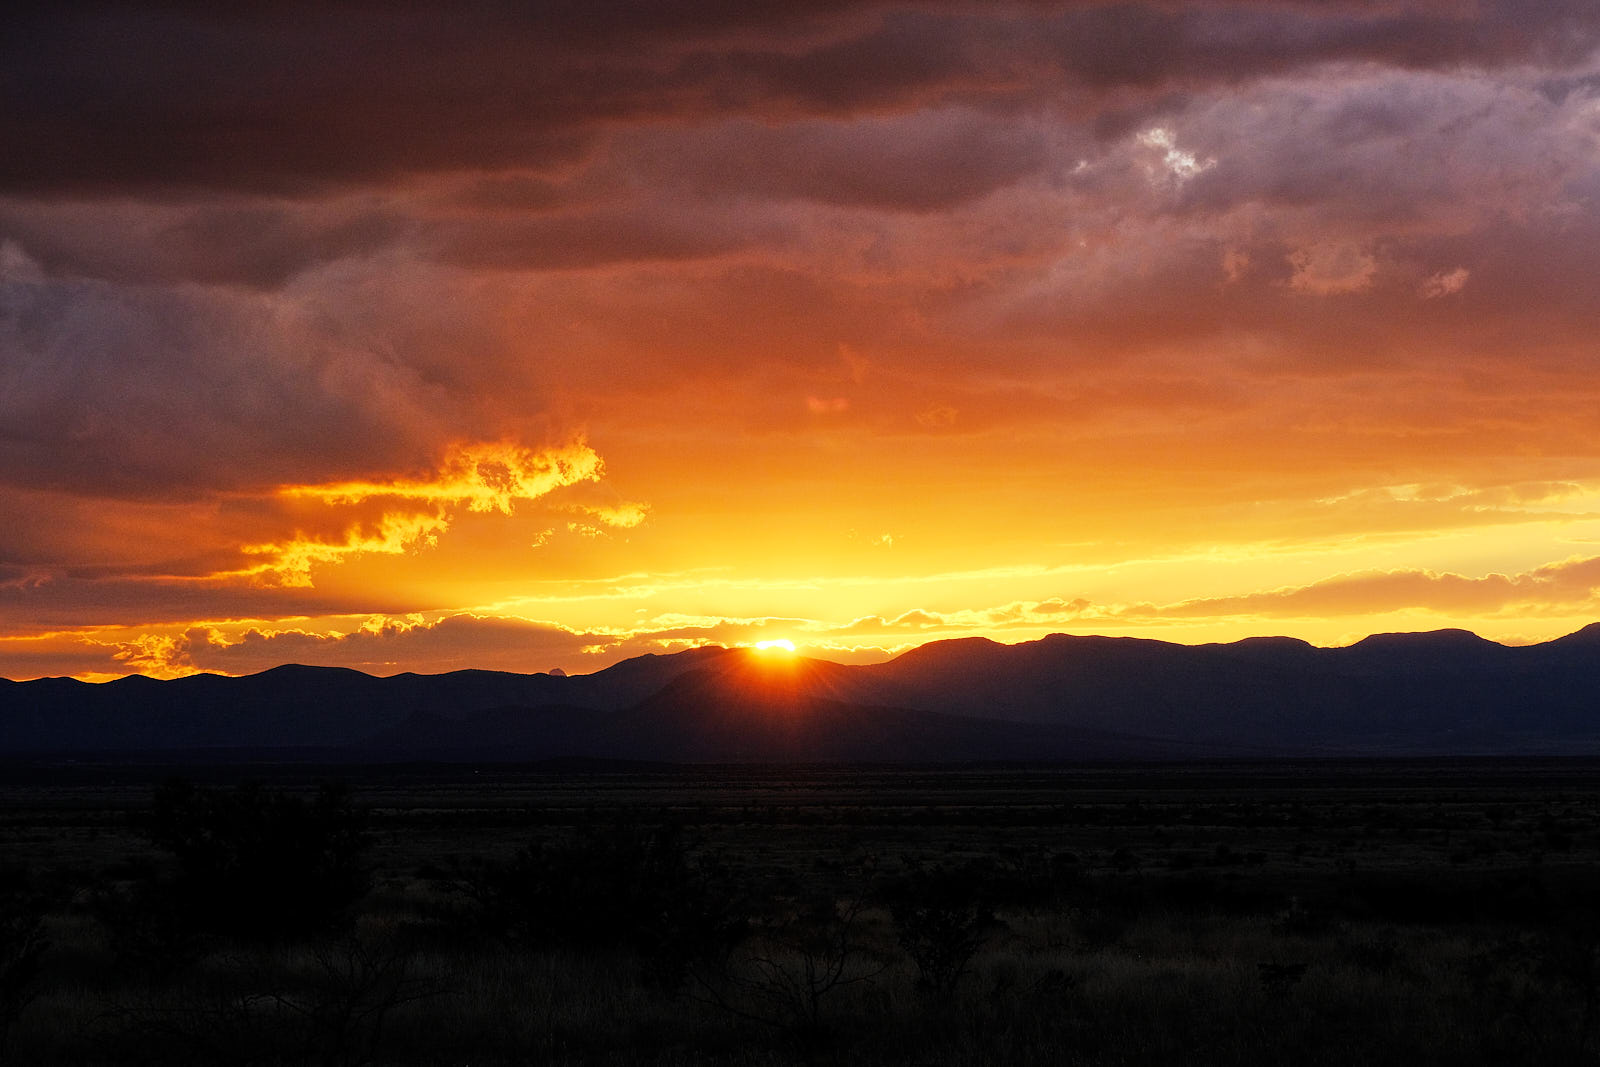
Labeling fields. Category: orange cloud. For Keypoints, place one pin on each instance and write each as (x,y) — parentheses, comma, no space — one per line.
(483,476)
(480,477)
(376,645)
(1569,586)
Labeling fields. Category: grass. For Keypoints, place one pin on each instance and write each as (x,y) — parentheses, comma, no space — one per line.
(1381,914)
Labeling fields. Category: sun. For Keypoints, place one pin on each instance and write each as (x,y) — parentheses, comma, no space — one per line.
(780,646)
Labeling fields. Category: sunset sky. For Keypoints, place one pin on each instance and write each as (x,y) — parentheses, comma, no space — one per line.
(419,337)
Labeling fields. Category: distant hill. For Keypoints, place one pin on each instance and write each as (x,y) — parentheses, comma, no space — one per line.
(1448,692)
(296,706)
(747,708)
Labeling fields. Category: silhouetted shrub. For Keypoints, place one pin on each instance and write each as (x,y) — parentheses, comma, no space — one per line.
(624,887)
(1124,859)
(327,1004)
(1104,921)
(258,864)
(1379,953)
(1303,919)
(22,947)
(787,970)
(1541,989)
(1034,879)
(941,916)
(1278,978)
(147,926)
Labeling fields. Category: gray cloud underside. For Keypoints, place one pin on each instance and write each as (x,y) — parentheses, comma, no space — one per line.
(149,390)
(293,97)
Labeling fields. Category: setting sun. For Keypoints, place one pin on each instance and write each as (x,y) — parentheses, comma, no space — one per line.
(780,646)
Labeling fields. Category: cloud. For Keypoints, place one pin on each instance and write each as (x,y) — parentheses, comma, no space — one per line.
(442,641)
(1174,165)
(1445,283)
(416,511)
(52,602)
(225,573)
(914,621)
(1381,149)
(915,161)
(380,92)
(58,657)
(621,516)
(1329,269)
(376,645)
(483,476)
(132,390)
(1568,586)
(625,233)
(16,265)
(259,242)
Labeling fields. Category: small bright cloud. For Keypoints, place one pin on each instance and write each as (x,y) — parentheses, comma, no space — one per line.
(1332,268)
(1445,283)
(1234,263)
(1180,165)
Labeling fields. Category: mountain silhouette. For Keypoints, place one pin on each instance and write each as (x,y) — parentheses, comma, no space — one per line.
(750,708)
(1443,692)
(1448,692)
(301,707)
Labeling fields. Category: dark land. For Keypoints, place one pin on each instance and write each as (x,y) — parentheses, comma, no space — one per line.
(1061,698)
(1423,911)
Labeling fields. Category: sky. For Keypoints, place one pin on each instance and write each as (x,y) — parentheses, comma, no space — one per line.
(418,337)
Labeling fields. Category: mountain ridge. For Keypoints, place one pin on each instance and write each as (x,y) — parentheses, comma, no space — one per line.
(1442,692)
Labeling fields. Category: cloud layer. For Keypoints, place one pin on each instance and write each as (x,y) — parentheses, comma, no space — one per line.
(311,315)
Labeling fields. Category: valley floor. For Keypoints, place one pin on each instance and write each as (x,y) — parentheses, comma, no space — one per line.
(1325,912)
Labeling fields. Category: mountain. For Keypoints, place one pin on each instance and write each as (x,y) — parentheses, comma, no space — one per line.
(751,709)
(1444,692)
(296,706)
(1447,692)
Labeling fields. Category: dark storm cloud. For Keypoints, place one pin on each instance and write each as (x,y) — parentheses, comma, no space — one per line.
(600,238)
(920,162)
(294,97)
(142,390)
(231,240)
(1390,149)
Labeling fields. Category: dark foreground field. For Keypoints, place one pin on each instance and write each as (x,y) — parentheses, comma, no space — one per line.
(1321,913)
